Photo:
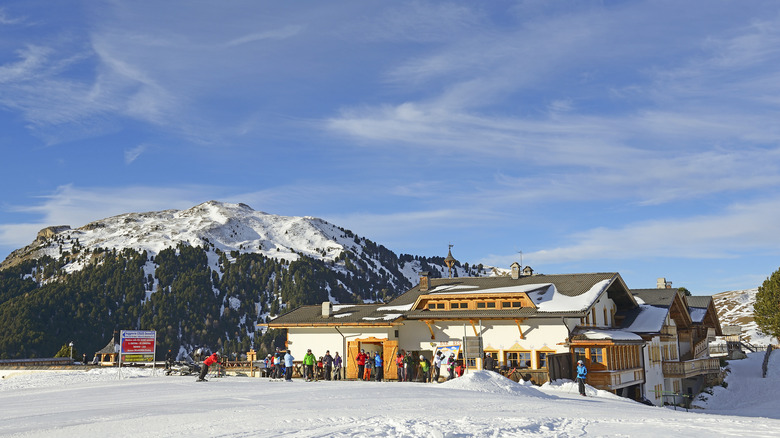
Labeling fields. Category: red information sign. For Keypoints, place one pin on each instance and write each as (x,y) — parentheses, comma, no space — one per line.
(137,345)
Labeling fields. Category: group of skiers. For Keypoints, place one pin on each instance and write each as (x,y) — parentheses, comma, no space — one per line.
(281,364)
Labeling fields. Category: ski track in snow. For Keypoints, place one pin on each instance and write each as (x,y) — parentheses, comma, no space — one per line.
(481,404)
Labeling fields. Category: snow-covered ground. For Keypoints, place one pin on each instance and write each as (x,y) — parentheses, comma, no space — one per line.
(98,403)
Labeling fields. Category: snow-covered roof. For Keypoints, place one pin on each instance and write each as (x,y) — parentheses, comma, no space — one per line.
(647,319)
(607,334)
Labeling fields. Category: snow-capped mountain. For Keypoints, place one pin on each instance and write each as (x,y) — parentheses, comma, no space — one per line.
(736,308)
(219,226)
(207,276)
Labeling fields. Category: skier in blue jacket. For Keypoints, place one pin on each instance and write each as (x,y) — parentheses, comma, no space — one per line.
(288,366)
(378,366)
(582,373)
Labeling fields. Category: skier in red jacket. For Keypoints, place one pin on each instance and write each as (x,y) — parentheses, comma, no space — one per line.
(211,360)
(361,363)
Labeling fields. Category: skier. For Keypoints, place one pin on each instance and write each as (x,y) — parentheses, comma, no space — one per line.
(451,366)
(488,362)
(361,363)
(211,360)
(399,363)
(288,366)
(168,360)
(378,363)
(308,365)
(437,366)
(327,361)
(408,366)
(369,367)
(278,357)
(582,373)
(337,367)
(425,366)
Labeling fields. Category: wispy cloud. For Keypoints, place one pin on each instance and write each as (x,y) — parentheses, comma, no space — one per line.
(6,19)
(132,154)
(77,206)
(276,34)
(737,230)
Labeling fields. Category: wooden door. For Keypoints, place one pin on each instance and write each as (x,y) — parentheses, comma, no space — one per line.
(389,350)
(353,347)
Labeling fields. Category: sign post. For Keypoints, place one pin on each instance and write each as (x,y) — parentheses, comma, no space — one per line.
(137,346)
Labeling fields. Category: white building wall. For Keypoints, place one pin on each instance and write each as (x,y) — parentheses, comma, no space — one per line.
(654,373)
(322,339)
(497,335)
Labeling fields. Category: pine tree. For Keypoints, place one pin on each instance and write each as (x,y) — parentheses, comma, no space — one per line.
(766,310)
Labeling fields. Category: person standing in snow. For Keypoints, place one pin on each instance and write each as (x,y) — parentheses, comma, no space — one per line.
(211,360)
(437,366)
(488,362)
(278,364)
(582,373)
(327,362)
(337,367)
(451,366)
(168,360)
(378,364)
(361,363)
(408,366)
(399,364)
(425,366)
(288,366)
(308,365)
(369,368)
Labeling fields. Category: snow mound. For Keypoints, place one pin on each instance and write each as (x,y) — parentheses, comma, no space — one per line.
(572,387)
(489,381)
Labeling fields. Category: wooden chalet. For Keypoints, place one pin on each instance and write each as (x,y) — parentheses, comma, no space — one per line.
(677,331)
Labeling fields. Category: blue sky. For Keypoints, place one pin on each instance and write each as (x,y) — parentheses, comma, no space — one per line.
(637,137)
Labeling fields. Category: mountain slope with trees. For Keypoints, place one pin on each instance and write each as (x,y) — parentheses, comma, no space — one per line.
(203,277)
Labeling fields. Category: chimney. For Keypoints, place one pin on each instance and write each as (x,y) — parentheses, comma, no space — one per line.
(515,270)
(424,281)
(327,309)
(661,283)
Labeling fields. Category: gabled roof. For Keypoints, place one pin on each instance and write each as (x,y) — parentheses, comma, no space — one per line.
(702,310)
(567,285)
(654,306)
(553,295)
(343,314)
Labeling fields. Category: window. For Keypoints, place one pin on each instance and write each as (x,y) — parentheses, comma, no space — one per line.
(486,305)
(541,359)
(579,354)
(459,305)
(597,355)
(518,359)
(606,317)
(511,304)
(593,316)
(435,306)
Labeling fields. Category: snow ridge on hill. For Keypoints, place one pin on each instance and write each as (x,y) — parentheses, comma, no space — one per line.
(736,308)
(218,227)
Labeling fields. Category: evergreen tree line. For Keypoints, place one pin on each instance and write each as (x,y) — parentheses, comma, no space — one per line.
(189,305)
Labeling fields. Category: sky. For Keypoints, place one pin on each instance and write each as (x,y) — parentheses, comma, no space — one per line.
(587,136)
(479,404)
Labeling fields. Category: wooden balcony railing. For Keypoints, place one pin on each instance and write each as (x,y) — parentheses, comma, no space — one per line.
(691,368)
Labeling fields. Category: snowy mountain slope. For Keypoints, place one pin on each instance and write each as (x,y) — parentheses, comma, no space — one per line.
(226,227)
(736,308)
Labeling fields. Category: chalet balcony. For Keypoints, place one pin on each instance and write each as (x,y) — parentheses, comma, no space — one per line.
(691,368)
(610,380)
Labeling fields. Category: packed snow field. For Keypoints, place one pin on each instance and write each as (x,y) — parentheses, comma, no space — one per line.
(99,403)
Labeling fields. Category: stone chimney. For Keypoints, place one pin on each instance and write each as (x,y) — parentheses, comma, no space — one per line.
(327,309)
(515,270)
(425,281)
(661,283)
